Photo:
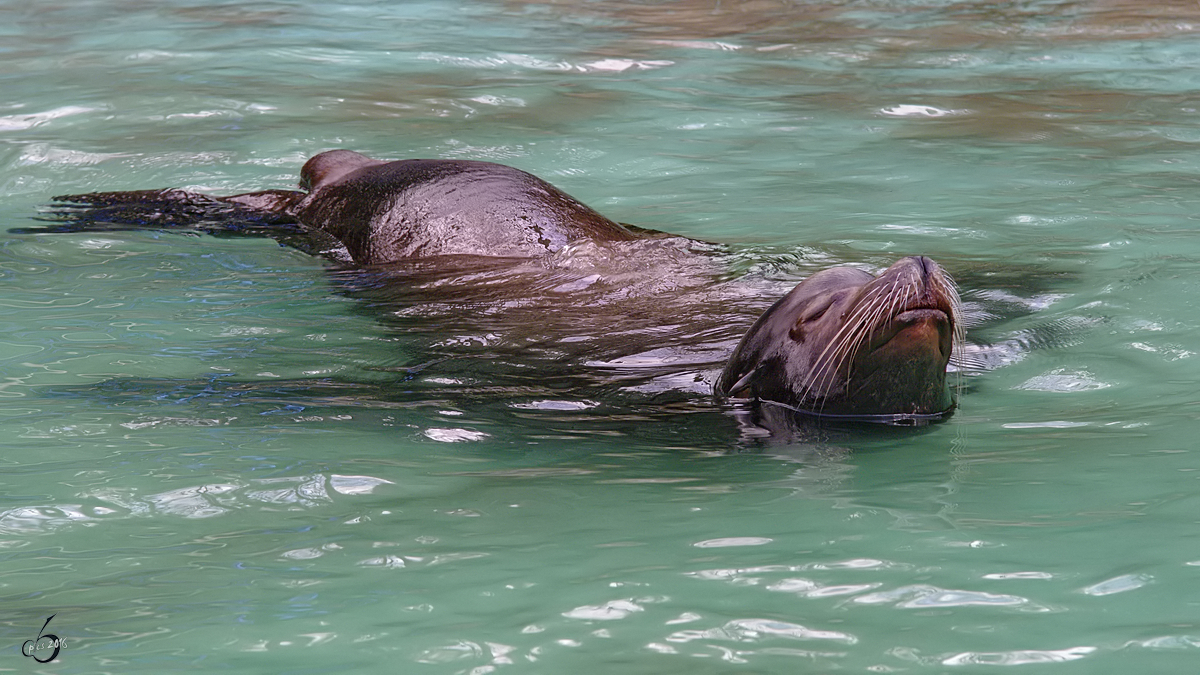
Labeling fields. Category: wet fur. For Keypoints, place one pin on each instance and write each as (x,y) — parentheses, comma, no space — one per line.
(825,348)
(815,350)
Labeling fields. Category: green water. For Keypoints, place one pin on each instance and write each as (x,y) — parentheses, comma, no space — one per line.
(215,459)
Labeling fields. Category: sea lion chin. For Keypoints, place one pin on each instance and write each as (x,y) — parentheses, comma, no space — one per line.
(846,344)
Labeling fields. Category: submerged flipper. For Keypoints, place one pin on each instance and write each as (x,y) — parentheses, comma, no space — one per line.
(170,208)
(254,214)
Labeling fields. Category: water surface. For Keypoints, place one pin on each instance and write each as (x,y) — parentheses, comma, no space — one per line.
(222,455)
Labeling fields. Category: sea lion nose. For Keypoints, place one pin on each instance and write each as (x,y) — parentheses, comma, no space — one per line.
(926,265)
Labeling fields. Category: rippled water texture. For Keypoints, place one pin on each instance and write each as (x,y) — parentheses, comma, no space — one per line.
(224,455)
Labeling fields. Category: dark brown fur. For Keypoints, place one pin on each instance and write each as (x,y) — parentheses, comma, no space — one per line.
(844,342)
(416,208)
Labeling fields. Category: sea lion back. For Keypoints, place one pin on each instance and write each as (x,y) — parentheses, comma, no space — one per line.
(389,211)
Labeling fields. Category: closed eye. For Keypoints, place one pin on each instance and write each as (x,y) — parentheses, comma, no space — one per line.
(808,316)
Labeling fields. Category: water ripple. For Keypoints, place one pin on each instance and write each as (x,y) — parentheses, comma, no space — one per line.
(1121,584)
(755,630)
(197,501)
(1016,657)
(609,611)
(923,596)
(32,120)
(1019,657)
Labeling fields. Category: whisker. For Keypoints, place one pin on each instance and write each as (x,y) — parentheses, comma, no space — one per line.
(871,311)
(842,344)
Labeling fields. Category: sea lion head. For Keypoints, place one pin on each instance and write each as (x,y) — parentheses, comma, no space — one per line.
(331,166)
(846,343)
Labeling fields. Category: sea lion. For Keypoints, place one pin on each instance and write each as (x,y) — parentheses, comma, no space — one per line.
(843,343)
(846,344)
(389,211)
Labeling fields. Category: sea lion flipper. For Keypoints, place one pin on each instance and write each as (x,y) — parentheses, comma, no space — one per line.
(132,210)
(267,213)
(168,209)
(134,198)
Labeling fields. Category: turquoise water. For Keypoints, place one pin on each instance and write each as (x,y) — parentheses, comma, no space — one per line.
(222,455)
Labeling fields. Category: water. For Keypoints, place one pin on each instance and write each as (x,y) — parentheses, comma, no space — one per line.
(223,455)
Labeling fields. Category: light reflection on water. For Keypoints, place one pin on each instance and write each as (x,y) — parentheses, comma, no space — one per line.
(222,451)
